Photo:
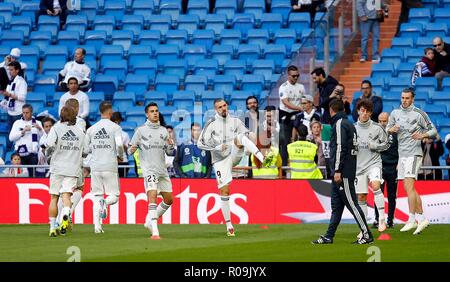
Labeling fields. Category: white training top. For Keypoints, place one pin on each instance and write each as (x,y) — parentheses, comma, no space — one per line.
(83,100)
(74,69)
(293,93)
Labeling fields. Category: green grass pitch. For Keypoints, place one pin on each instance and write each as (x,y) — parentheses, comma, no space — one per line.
(200,243)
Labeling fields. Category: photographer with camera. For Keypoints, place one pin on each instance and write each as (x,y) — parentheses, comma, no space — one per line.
(339,93)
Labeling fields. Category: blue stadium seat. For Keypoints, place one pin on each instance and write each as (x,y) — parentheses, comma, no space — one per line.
(249,52)
(243,23)
(391,96)
(129,127)
(52,66)
(255,7)
(275,52)
(183,99)
(30,56)
(397,84)
(282,7)
(89,9)
(419,15)
(117,68)
(446,85)
(273,80)
(37,100)
(164,53)
(115,8)
(56,52)
(424,42)
(7,10)
(400,42)
(237,68)
(110,52)
(426,84)
(95,38)
(422,97)
(394,56)
(147,67)
(299,21)
(205,37)
(405,69)
(384,69)
(222,53)
(167,83)
(157,97)
(192,53)
(253,82)
(241,94)
(160,22)
(239,103)
(105,83)
(258,37)
(22,23)
(144,8)
(137,83)
(196,83)
(412,30)
(124,101)
(12,38)
(134,23)
(436,29)
(136,114)
(435,111)
(68,38)
(49,23)
(29,9)
(389,106)
(171,8)
(190,23)
(45,83)
(215,22)
(263,67)
(176,68)
(413,55)
(139,53)
(167,111)
(442,124)
(286,37)
(271,22)
(207,67)
(224,84)
(104,23)
(207,98)
(441,15)
(149,37)
(95,98)
(227,8)
(78,23)
(41,39)
(199,8)
(230,37)
(177,37)
(123,38)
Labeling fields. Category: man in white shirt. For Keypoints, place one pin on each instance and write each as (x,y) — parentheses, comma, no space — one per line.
(77,68)
(291,93)
(26,133)
(75,93)
(15,94)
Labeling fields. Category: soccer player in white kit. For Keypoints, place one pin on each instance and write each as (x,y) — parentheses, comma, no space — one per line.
(372,139)
(104,142)
(226,136)
(153,142)
(64,148)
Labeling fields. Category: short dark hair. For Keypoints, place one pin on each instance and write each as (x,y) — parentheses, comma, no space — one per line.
(409,90)
(72,78)
(251,97)
(151,104)
(169,127)
(195,124)
(29,106)
(104,106)
(14,155)
(83,51)
(425,51)
(219,100)
(337,105)
(366,104)
(16,65)
(292,68)
(302,131)
(366,81)
(46,119)
(116,116)
(270,108)
(319,72)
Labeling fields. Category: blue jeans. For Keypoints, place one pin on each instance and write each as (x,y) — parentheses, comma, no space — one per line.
(371,25)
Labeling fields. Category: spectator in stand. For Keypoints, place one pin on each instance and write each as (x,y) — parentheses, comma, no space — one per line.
(76,93)
(47,124)
(251,117)
(404,12)
(442,57)
(190,161)
(15,94)
(447,145)
(5,76)
(308,115)
(432,150)
(426,67)
(75,68)
(15,171)
(326,85)
(316,137)
(309,6)
(367,93)
(53,8)
(117,118)
(26,133)
(339,93)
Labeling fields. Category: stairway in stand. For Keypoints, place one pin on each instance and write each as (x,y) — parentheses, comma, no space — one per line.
(350,71)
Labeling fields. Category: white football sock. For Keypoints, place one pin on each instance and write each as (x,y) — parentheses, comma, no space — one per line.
(65,212)
(111,200)
(420,217)
(97,208)
(60,207)
(52,222)
(225,206)
(363,206)
(250,146)
(76,197)
(154,219)
(379,203)
(411,218)
(161,209)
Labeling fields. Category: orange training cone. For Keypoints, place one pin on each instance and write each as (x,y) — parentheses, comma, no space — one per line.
(384,237)
(264,227)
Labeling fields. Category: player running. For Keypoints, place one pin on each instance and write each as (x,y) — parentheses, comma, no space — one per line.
(153,142)
(226,137)
(104,142)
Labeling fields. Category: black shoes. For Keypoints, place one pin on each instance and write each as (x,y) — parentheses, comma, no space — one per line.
(390,224)
(322,240)
(375,224)
(366,239)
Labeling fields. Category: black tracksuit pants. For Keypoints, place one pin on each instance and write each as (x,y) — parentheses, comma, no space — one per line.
(342,196)
(390,181)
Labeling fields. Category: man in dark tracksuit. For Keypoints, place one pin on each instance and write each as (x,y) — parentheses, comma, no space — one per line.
(343,146)
(390,161)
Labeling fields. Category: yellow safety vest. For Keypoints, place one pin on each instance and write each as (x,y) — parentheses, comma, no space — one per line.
(138,163)
(301,160)
(269,172)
